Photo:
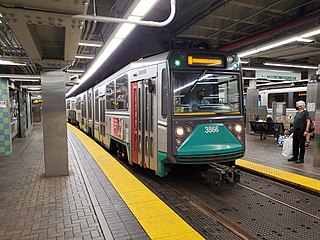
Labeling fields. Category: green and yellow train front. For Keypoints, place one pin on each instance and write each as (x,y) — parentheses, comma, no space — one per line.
(207,121)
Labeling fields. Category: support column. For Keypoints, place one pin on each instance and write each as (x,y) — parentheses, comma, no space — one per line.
(22,113)
(316,107)
(5,123)
(251,103)
(54,123)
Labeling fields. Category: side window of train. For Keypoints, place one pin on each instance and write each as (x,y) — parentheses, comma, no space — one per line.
(110,101)
(164,95)
(298,96)
(85,106)
(89,105)
(122,93)
(96,105)
(277,97)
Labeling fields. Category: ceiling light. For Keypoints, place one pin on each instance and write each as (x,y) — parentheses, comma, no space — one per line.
(24,80)
(263,69)
(34,88)
(143,7)
(20,76)
(139,12)
(4,62)
(90,43)
(300,39)
(127,28)
(85,56)
(277,44)
(290,65)
(247,53)
(76,70)
(310,34)
(30,86)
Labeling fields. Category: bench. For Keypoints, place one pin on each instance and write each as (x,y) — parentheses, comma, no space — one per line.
(269,128)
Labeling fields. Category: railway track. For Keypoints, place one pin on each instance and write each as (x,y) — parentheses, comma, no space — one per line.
(256,208)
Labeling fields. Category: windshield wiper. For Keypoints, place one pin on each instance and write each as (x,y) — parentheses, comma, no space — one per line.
(197,80)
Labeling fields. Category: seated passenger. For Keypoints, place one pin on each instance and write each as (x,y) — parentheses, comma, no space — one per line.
(198,101)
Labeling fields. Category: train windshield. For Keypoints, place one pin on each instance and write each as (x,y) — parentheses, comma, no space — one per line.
(206,93)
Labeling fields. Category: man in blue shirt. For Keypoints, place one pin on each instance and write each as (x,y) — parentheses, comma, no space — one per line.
(195,103)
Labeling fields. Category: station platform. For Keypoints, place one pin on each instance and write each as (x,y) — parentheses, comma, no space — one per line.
(96,202)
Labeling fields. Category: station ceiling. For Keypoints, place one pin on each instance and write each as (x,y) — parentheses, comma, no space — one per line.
(45,36)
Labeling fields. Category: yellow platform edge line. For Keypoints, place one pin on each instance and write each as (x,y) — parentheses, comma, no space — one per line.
(157,219)
(281,175)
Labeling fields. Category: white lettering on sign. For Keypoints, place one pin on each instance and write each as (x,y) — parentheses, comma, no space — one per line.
(211,129)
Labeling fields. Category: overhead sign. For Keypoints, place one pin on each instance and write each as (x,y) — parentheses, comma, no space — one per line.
(278,75)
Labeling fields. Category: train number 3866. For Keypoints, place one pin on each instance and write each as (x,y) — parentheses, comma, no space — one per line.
(211,129)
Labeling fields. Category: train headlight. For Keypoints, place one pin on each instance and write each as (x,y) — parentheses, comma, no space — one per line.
(229,59)
(238,128)
(179,131)
(178,141)
(189,129)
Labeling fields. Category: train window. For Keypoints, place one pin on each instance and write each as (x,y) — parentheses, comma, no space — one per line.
(110,96)
(122,93)
(96,105)
(164,96)
(277,97)
(299,96)
(90,105)
(209,93)
(84,106)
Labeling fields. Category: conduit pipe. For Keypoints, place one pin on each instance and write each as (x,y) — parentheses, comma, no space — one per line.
(270,32)
(121,20)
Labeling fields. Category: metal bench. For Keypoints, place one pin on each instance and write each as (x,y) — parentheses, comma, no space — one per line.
(269,128)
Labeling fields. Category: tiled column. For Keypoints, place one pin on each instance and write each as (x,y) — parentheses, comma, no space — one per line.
(5,130)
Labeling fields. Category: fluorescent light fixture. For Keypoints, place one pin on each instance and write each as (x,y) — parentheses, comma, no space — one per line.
(277,44)
(310,34)
(244,62)
(4,62)
(20,76)
(24,80)
(264,69)
(76,70)
(90,43)
(247,53)
(290,65)
(143,7)
(34,88)
(127,28)
(119,35)
(30,86)
(114,43)
(300,39)
(85,56)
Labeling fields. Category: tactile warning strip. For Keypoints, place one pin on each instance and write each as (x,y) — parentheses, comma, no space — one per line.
(292,178)
(157,219)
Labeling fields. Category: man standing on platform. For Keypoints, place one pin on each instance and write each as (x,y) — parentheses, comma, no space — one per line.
(301,127)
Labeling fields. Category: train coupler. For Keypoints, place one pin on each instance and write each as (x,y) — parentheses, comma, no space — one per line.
(219,173)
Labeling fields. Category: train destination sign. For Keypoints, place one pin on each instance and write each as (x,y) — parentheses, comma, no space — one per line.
(207,61)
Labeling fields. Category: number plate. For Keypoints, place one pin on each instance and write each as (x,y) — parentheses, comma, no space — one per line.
(211,129)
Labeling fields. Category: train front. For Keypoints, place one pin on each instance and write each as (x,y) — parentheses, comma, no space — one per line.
(207,121)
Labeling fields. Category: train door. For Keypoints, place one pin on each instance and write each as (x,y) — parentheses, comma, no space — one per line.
(144,123)
(102,126)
